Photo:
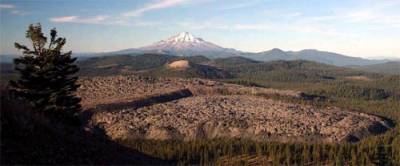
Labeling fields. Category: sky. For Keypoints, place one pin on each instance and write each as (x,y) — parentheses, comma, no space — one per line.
(360,28)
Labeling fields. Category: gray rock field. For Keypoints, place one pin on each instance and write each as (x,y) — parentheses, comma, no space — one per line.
(130,107)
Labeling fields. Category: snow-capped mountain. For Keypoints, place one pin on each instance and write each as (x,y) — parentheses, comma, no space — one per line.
(185,44)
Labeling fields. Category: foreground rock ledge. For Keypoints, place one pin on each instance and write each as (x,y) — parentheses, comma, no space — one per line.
(213,115)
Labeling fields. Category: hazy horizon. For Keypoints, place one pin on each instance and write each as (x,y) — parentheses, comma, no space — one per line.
(358,28)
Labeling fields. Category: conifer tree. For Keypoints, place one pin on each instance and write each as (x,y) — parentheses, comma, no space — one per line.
(380,156)
(47,79)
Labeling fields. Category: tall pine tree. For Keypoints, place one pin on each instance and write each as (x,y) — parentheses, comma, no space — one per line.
(47,76)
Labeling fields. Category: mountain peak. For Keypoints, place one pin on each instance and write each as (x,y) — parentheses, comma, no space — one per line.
(184,37)
(276,50)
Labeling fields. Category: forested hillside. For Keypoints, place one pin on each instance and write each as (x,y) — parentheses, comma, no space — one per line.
(386,68)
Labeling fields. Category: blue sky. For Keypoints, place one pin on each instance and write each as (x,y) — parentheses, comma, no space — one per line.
(362,28)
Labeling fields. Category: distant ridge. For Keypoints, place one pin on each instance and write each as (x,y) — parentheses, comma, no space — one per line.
(392,67)
(311,55)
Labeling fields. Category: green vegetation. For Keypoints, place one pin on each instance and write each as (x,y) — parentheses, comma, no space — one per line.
(111,65)
(196,59)
(317,79)
(47,80)
(292,71)
(210,152)
(385,68)
(232,62)
(128,64)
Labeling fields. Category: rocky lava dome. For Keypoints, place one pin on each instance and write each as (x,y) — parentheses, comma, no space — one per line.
(188,109)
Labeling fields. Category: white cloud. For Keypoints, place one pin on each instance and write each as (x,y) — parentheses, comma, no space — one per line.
(154,6)
(18,12)
(6,6)
(64,19)
(76,19)
(12,9)
(123,19)
(103,20)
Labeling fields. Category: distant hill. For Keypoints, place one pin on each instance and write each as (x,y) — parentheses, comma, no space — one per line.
(392,67)
(111,65)
(271,55)
(7,72)
(311,55)
(197,59)
(292,71)
(233,61)
(7,58)
(140,62)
